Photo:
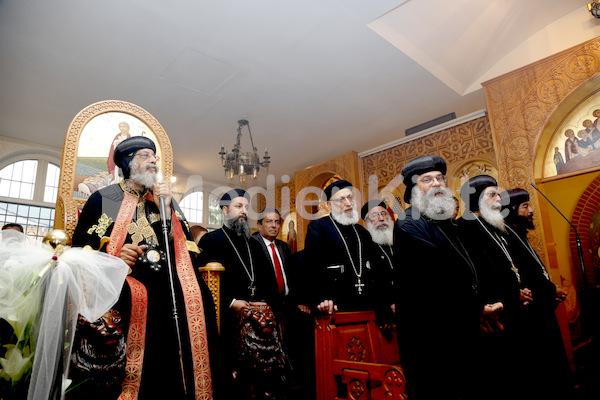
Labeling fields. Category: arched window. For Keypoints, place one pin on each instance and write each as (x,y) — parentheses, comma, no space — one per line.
(215,215)
(18,179)
(28,195)
(192,206)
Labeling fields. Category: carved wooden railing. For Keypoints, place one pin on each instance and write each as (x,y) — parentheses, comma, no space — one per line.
(354,360)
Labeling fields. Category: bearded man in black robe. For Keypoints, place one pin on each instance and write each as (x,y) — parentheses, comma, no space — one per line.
(380,225)
(546,374)
(245,288)
(340,253)
(124,220)
(437,305)
(500,282)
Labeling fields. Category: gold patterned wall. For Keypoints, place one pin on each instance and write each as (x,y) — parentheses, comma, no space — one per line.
(458,145)
(346,166)
(521,103)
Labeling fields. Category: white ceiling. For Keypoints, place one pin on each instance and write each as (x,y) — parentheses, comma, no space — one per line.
(315,78)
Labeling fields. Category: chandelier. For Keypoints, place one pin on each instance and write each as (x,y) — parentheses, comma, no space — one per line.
(238,162)
(594,8)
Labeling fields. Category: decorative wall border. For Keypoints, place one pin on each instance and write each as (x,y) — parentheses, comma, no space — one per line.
(520,105)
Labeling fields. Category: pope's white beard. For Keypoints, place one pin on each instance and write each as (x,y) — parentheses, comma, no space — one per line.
(436,204)
(382,232)
(146,178)
(492,214)
(342,218)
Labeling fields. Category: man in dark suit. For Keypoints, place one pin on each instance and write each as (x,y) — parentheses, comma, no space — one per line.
(279,283)
(273,259)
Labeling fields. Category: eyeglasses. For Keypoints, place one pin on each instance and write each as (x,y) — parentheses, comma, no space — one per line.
(349,198)
(492,194)
(525,205)
(428,180)
(145,156)
(383,214)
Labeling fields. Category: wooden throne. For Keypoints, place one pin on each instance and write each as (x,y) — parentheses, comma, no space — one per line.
(354,360)
(85,159)
(85,164)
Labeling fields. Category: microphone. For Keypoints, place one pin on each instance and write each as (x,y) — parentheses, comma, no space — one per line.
(577,240)
(171,273)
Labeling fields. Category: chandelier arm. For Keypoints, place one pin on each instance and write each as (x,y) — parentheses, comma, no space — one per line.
(250,134)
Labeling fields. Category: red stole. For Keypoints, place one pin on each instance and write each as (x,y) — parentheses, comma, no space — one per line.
(194,308)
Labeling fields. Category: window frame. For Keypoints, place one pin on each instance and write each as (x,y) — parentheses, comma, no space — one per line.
(40,177)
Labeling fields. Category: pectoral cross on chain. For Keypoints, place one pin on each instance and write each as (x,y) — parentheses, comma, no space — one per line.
(359,286)
(140,230)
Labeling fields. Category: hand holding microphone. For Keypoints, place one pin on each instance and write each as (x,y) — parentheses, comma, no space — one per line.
(162,189)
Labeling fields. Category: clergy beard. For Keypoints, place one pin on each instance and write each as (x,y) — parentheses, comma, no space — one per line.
(524,223)
(382,232)
(241,228)
(146,178)
(492,214)
(436,204)
(342,218)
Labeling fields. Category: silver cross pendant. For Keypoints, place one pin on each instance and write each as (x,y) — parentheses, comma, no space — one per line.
(359,286)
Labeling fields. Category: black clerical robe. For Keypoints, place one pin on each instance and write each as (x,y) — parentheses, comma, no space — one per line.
(500,281)
(342,265)
(383,267)
(546,372)
(160,376)
(246,277)
(437,306)
(239,281)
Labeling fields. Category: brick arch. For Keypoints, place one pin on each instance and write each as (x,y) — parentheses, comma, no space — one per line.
(586,211)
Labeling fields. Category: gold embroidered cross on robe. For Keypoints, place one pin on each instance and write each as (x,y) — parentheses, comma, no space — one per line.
(140,230)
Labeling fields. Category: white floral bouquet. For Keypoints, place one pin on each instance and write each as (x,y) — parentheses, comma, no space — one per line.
(38,285)
(20,298)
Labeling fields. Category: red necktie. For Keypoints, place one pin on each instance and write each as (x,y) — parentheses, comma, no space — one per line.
(278,271)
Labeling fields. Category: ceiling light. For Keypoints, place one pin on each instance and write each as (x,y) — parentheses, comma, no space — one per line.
(243,163)
(594,8)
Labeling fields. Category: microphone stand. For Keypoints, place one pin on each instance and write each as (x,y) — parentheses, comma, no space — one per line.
(577,241)
(165,229)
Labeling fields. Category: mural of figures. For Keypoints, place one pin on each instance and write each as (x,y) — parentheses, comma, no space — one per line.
(593,133)
(95,168)
(570,144)
(558,159)
(113,170)
(596,115)
(586,144)
(579,135)
(291,237)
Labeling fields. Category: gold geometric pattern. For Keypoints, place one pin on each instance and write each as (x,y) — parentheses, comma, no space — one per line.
(153,217)
(140,230)
(100,228)
(455,145)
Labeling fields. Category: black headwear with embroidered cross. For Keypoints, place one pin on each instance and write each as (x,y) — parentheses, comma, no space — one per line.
(125,151)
